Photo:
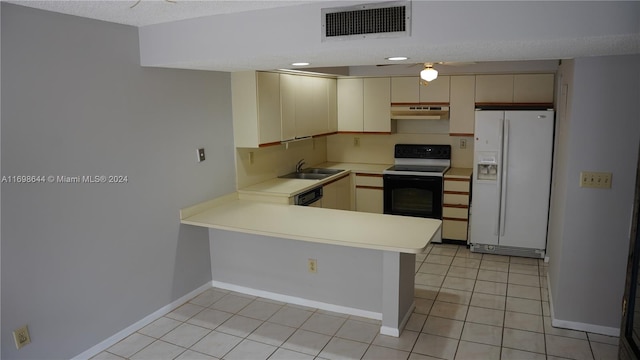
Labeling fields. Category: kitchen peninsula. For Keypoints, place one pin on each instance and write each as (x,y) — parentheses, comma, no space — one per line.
(365,261)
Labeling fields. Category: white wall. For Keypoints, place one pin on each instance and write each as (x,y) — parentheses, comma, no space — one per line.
(346,276)
(589,228)
(81,262)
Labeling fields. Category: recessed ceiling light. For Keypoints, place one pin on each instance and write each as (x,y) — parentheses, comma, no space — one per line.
(300,64)
(397,58)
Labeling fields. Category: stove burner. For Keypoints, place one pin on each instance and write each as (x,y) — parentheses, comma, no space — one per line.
(420,160)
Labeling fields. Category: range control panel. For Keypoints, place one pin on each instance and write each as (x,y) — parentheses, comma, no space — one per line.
(417,151)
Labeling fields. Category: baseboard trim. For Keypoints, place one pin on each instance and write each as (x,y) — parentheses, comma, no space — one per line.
(395,332)
(574,325)
(113,339)
(596,329)
(298,300)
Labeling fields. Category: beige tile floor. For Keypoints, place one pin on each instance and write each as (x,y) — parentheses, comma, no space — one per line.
(468,306)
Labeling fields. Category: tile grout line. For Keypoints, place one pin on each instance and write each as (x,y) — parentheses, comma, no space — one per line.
(541,269)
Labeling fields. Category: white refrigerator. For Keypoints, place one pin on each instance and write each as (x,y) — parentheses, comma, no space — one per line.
(512,161)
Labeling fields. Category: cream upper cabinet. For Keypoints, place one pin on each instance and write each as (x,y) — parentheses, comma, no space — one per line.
(405,89)
(312,101)
(288,86)
(332,119)
(364,105)
(350,104)
(408,89)
(518,88)
(255,104)
(533,88)
(494,88)
(436,91)
(462,105)
(308,105)
(377,105)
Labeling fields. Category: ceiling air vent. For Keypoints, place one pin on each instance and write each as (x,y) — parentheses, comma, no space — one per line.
(386,19)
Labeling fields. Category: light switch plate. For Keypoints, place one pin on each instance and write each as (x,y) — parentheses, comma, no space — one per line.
(312,266)
(600,180)
(21,337)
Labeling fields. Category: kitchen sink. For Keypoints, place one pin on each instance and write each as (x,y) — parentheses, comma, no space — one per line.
(312,174)
(321,171)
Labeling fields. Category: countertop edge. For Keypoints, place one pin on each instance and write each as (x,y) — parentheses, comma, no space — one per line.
(189,211)
(310,239)
(196,215)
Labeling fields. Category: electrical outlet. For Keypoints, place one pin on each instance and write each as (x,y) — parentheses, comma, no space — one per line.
(601,180)
(201,156)
(356,141)
(250,157)
(21,337)
(463,143)
(312,266)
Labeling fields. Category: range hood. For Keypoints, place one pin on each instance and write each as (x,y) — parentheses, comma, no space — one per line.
(419,112)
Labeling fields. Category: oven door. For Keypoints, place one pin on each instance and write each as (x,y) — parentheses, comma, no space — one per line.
(410,195)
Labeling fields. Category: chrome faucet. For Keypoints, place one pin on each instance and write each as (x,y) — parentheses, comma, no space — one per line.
(299,165)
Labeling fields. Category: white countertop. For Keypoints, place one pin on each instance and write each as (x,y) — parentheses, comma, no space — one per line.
(462,173)
(357,167)
(286,188)
(337,227)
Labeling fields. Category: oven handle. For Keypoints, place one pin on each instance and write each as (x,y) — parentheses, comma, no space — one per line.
(412,178)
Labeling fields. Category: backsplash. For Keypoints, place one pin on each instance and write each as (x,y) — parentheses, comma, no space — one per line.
(256,165)
(378,149)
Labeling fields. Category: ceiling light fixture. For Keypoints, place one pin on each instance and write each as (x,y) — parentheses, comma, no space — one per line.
(429,73)
(397,58)
(299,64)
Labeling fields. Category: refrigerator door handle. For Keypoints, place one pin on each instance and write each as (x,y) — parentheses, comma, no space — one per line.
(496,227)
(505,165)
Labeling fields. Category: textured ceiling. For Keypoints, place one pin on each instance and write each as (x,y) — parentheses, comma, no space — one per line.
(148,12)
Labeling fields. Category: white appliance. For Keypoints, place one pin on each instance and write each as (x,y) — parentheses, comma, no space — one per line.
(414,185)
(419,112)
(511,182)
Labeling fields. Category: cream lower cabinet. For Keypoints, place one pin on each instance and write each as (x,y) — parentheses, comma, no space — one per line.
(337,194)
(455,208)
(369,193)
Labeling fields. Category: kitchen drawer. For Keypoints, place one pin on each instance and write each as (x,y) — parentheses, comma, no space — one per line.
(456,185)
(454,229)
(456,199)
(369,180)
(455,212)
